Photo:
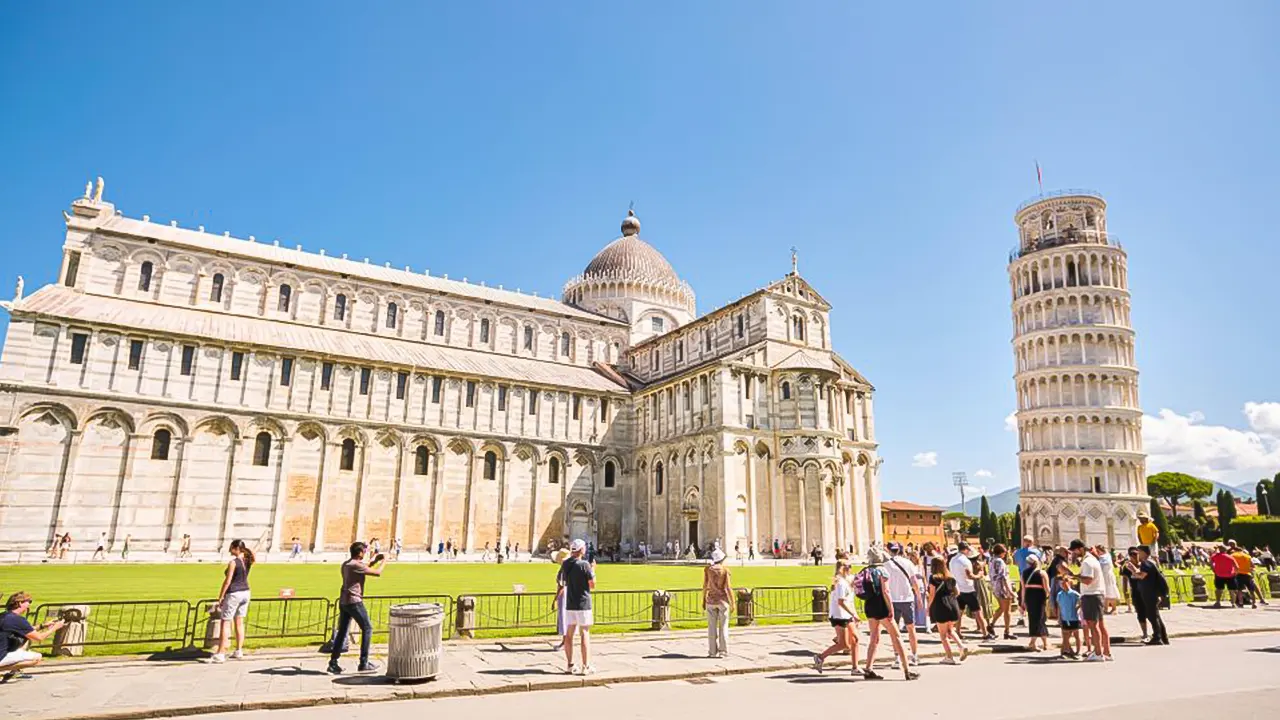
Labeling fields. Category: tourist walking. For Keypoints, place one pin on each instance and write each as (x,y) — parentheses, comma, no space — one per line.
(966,583)
(351,608)
(579,581)
(1111,590)
(296,549)
(843,617)
(557,602)
(1244,578)
(16,636)
(64,546)
(1150,589)
(185,550)
(1224,577)
(751,551)
(717,599)
(944,610)
(1127,569)
(233,602)
(904,586)
(1068,601)
(397,547)
(101,552)
(1002,589)
(1035,595)
(1093,588)
(872,587)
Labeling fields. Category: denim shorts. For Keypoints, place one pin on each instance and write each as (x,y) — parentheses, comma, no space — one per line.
(234,604)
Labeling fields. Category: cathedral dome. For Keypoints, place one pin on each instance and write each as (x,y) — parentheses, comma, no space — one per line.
(630,258)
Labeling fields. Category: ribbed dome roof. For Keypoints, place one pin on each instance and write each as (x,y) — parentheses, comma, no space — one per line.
(630,258)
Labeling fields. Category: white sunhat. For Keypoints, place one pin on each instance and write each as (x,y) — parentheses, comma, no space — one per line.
(717,557)
(577,546)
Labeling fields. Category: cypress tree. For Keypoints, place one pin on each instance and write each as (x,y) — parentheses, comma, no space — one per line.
(1162,524)
(986,523)
(1015,537)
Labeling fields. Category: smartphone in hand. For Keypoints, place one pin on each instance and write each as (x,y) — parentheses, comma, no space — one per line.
(379,558)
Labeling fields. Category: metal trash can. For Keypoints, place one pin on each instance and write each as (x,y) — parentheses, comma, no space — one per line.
(413,645)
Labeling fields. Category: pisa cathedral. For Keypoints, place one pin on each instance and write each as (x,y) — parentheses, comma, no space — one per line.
(177,382)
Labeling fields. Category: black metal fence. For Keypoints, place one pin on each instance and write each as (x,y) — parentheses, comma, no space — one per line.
(153,625)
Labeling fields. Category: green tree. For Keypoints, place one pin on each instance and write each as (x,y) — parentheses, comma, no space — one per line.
(1226,512)
(1004,529)
(987,530)
(1201,518)
(1015,535)
(1167,534)
(1173,486)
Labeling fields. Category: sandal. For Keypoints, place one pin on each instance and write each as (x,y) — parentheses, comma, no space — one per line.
(911,675)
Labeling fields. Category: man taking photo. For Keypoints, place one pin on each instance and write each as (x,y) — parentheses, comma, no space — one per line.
(16,634)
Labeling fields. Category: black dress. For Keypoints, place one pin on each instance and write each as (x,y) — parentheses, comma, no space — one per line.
(875,607)
(1034,592)
(945,607)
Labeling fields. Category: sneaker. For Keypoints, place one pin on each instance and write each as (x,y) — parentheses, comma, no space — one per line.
(818,662)
(897,664)
(237,655)
(1108,658)
(215,659)
(964,654)
(913,660)
(910,675)
(950,661)
(571,670)
(587,670)
(334,668)
(872,675)
(1094,658)
(368,666)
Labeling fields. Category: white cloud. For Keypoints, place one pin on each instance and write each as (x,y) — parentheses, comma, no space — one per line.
(1011,422)
(982,474)
(924,459)
(1183,443)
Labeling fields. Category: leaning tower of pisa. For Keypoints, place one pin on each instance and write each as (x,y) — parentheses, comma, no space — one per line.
(1080,453)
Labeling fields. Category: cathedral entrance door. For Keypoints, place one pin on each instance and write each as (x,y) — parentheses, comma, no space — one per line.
(693,532)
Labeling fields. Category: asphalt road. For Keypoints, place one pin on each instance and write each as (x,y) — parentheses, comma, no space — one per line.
(1232,676)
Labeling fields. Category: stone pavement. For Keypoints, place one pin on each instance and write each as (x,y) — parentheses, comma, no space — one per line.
(136,688)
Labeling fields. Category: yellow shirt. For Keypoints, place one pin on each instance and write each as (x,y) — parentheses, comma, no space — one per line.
(1244,563)
(1147,533)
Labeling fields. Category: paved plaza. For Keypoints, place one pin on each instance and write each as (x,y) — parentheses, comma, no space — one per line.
(136,688)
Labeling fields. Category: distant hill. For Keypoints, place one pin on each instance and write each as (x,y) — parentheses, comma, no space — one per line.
(1007,500)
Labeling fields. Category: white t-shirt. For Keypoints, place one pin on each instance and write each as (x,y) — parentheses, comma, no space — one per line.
(901,576)
(961,566)
(1091,568)
(842,591)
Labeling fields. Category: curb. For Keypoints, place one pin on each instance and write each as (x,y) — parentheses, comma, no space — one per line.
(425,691)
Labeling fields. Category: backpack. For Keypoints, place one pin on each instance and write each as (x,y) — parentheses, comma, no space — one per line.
(866,584)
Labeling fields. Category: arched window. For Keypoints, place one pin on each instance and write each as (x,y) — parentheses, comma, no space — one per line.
(484,331)
(741,326)
(286,294)
(439,322)
(797,328)
(610,472)
(347,459)
(528,337)
(340,307)
(215,290)
(657,478)
(393,313)
(680,350)
(490,465)
(144,276)
(786,391)
(421,456)
(553,470)
(160,444)
(564,344)
(262,449)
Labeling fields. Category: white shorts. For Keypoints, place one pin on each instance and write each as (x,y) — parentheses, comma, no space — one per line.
(234,604)
(18,656)
(580,618)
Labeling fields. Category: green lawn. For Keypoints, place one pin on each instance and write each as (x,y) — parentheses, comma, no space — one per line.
(197,581)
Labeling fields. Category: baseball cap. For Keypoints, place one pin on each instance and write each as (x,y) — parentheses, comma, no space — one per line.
(577,546)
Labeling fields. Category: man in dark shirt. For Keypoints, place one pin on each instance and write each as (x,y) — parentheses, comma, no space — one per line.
(1150,586)
(15,632)
(351,608)
(577,582)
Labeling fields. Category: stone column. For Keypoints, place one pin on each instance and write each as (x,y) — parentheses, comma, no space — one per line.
(434,535)
(126,472)
(533,505)
(283,460)
(225,521)
(401,458)
(804,511)
(70,453)
(322,503)
(469,525)
(362,474)
(179,477)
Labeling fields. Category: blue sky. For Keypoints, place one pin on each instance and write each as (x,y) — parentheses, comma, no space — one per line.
(890,144)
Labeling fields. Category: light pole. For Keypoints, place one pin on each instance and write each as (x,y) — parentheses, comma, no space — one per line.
(961,481)
(1264,505)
